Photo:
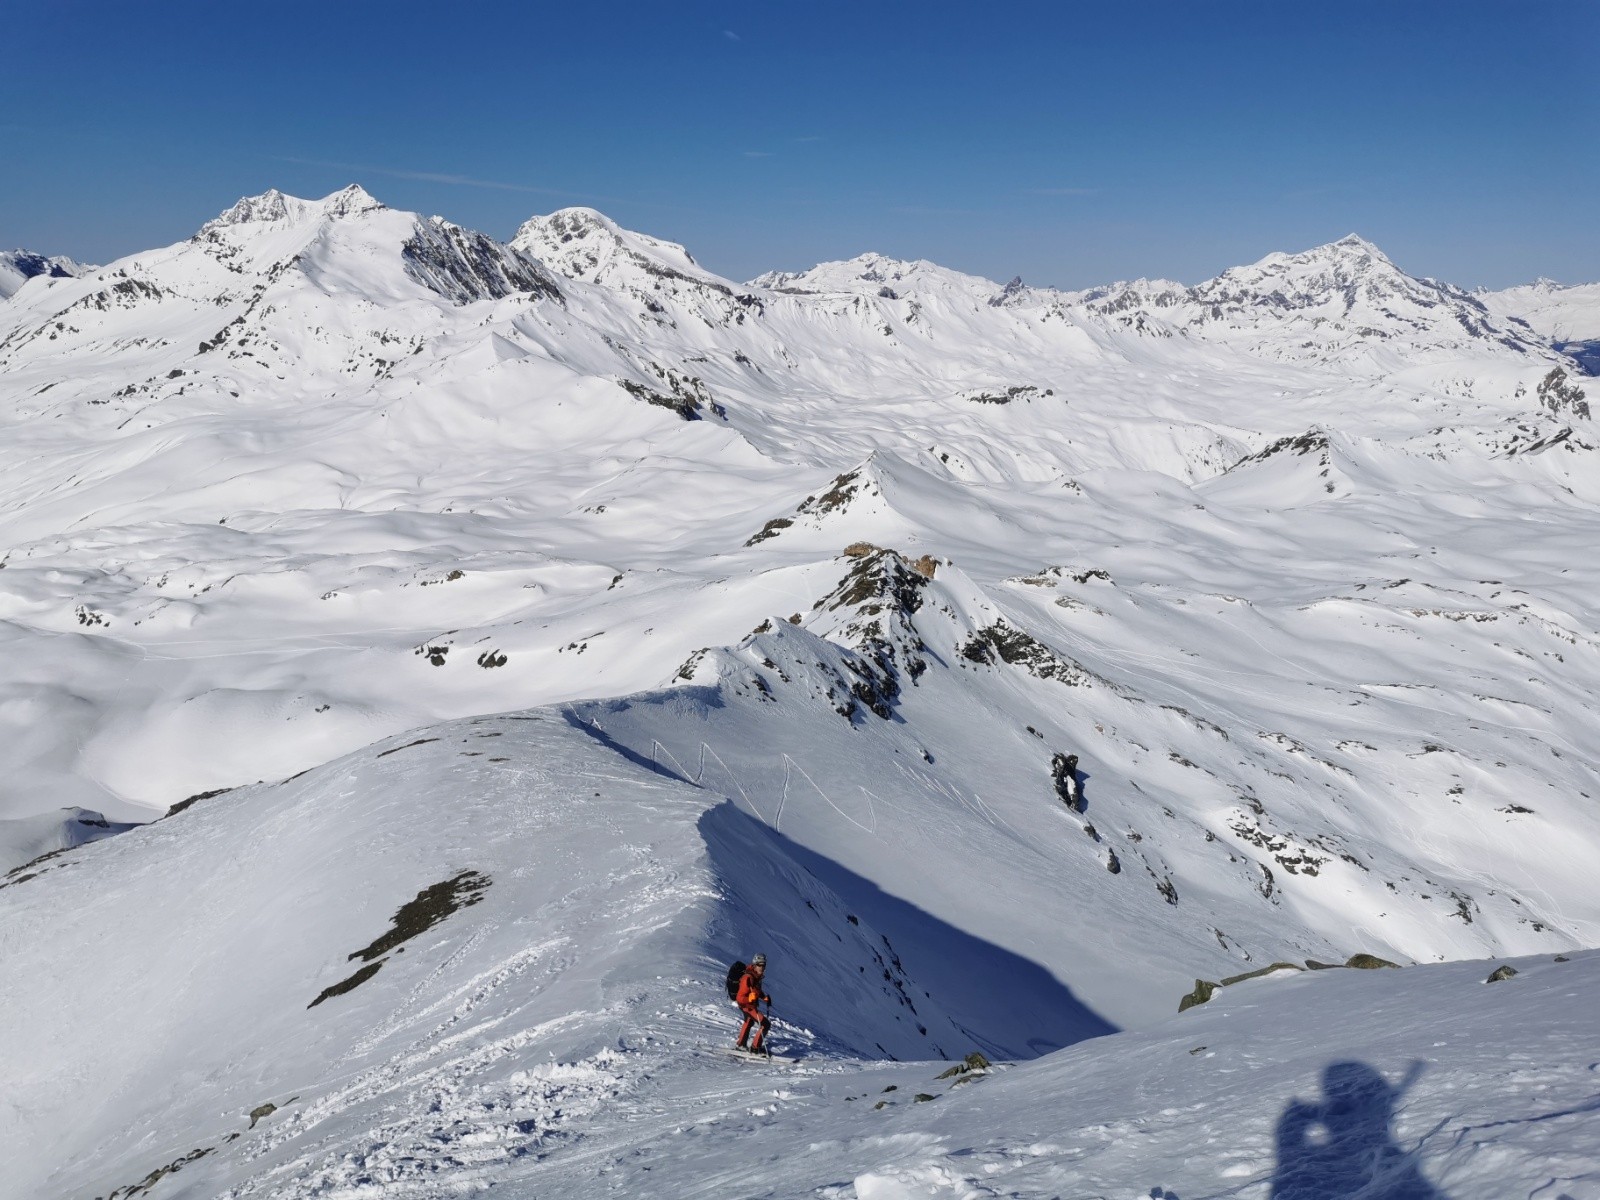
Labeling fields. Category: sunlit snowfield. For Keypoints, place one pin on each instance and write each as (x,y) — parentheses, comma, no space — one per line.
(622,620)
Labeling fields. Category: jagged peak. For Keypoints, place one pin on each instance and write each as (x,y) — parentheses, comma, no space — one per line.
(1354,242)
(350,201)
(274,206)
(270,205)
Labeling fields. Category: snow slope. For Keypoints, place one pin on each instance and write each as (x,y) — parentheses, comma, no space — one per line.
(802,590)
(286,991)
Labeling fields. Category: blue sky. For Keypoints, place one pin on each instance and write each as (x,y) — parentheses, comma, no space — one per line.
(1069,143)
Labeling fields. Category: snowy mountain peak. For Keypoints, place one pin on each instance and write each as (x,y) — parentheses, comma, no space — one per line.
(583,243)
(1335,302)
(1351,259)
(273,206)
(1354,242)
(18,266)
(350,201)
(878,274)
(568,225)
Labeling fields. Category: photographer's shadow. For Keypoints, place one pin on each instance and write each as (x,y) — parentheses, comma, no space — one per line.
(1345,1145)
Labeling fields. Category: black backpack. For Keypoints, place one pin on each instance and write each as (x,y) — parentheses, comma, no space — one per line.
(735,973)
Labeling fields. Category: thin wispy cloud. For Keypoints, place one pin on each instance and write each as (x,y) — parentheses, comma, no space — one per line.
(758,153)
(1060,191)
(731,35)
(430,177)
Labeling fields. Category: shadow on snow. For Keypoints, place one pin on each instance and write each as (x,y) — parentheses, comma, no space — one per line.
(1007,1006)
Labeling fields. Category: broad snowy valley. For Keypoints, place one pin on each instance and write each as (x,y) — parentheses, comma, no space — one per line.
(430,661)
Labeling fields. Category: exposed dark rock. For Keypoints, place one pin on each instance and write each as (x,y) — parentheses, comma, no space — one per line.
(1260,971)
(464,266)
(973,1062)
(1204,989)
(1012,646)
(1369,962)
(1007,395)
(886,593)
(416,916)
(1064,774)
(407,746)
(191,801)
(160,1173)
(1499,973)
(1310,442)
(347,985)
(770,530)
(685,395)
(1558,395)
(429,907)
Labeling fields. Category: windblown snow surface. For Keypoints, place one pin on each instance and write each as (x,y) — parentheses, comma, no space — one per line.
(458,652)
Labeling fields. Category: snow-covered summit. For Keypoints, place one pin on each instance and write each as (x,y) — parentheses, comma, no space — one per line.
(1345,302)
(274,206)
(880,275)
(18,266)
(582,243)
(270,205)
(1352,262)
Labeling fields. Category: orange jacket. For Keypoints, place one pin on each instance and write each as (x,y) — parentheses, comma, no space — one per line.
(750,993)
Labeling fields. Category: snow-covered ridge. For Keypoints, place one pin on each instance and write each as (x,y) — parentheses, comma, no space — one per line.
(364,1009)
(273,206)
(1557,312)
(19,266)
(877,275)
(1344,302)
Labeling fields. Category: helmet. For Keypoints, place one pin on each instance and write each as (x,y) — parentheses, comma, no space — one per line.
(758,960)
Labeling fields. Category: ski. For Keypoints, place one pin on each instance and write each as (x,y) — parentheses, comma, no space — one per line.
(747,1057)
